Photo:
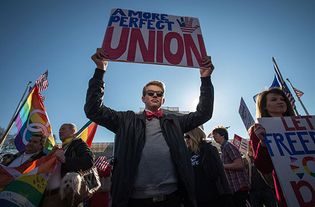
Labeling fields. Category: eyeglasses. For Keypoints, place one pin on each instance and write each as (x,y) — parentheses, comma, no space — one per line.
(157,93)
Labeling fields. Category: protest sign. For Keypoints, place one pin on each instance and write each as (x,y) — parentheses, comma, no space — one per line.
(245,114)
(155,38)
(241,144)
(291,145)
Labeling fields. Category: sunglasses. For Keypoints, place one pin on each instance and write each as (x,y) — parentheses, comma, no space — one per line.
(157,93)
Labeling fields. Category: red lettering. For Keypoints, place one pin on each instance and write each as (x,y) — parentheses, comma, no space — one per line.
(296,123)
(159,47)
(286,126)
(121,48)
(178,55)
(147,52)
(307,118)
(191,46)
(202,48)
(296,186)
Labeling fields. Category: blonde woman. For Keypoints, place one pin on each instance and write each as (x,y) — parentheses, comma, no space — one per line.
(211,187)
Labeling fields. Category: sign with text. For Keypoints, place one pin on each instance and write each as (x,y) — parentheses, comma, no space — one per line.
(291,145)
(241,143)
(155,38)
(245,114)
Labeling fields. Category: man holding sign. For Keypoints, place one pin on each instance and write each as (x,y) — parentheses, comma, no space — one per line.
(151,166)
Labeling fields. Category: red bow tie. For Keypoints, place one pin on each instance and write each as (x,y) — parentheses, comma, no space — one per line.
(150,115)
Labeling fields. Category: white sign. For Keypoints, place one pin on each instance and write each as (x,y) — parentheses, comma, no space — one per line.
(145,37)
(291,145)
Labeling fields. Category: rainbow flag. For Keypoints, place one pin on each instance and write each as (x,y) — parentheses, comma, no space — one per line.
(87,132)
(27,190)
(7,174)
(27,184)
(31,118)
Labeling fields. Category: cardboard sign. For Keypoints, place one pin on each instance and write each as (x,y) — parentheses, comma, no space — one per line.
(245,114)
(291,145)
(145,37)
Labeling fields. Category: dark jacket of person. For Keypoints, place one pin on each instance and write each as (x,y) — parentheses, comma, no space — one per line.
(214,174)
(213,167)
(79,157)
(129,128)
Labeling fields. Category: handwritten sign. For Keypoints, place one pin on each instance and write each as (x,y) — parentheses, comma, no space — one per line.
(291,145)
(155,38)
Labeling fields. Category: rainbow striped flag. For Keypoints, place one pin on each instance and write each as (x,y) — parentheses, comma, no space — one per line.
(31,118)
(27,188)
(87,132)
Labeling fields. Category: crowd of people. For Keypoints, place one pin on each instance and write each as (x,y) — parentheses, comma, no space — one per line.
(162,159)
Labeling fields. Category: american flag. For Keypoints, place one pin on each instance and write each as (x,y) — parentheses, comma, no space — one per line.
(103,166)
(42,82)
(284,86)
(298,92)
(186,24)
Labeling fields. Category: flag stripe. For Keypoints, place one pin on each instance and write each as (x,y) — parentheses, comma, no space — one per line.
(25,190)
(87,132)
(11,199)
(298,92)
(43,165)
(42,82)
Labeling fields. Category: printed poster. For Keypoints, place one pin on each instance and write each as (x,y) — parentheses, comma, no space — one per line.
(154,38)
(291,145)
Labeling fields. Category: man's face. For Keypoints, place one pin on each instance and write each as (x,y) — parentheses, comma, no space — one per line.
(66,131)
(153,98)
(34,145)
(218,138)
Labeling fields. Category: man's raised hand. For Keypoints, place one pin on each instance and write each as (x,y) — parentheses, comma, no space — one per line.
(100,58)
(207,67)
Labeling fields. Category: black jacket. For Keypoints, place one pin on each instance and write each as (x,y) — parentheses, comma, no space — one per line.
(129,128)
(213,167)
(78,157)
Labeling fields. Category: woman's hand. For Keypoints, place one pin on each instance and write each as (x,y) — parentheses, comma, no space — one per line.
(260,132)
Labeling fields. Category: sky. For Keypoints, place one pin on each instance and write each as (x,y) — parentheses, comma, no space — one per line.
(241,37)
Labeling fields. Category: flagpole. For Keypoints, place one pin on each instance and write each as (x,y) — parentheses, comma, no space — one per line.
(298,97)
(277,70)
(14,116)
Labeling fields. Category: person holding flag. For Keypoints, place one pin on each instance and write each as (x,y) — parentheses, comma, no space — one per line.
(75,156)
(33,151)
(151,161)
(270,103)
(24,159)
